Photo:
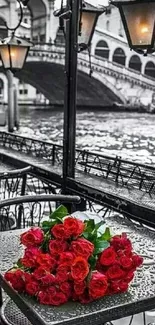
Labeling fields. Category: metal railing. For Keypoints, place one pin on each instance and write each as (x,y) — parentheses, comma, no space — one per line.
(123,172)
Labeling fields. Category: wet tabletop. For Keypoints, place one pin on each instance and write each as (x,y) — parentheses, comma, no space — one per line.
(140,296)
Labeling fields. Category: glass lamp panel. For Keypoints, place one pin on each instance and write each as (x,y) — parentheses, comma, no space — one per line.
(4,53)
(140,18)
(88,21)
(17,56)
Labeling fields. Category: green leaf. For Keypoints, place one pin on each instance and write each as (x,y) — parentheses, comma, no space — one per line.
(90,225)
(18,264)
(92,261)
(47,225)
(59,213)
(100,246)
(106,236)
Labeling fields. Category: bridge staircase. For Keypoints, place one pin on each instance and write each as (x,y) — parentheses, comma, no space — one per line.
(121,185)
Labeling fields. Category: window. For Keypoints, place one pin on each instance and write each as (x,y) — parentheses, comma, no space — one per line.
(25,20)
(135,63)
(23,91)
(150,69)
(108,11)
(102,49)
(119,56)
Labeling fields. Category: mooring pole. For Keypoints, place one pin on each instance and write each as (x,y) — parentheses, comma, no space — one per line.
(70,91)
(10,101)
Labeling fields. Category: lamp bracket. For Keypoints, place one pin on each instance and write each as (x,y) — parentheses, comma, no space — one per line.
(21,17)
(66,15)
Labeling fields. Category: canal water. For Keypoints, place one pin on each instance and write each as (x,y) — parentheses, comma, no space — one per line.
(126,134)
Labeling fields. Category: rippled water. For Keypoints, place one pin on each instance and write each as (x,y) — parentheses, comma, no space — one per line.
(130,135)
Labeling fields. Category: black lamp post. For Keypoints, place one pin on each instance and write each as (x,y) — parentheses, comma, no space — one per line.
(138,17)
(81,19)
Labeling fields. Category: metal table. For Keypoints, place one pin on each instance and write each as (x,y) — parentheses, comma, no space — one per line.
(140,297)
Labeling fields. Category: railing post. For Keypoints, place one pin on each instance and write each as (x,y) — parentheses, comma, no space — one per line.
(10,101)
(20,206)
(16,109)
(53,154)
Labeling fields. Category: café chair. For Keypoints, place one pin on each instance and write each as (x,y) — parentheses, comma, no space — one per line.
(29,211)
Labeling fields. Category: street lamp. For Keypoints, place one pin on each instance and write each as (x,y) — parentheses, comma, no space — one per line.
(138,17)
(80,21)
(13,52)
(13,49)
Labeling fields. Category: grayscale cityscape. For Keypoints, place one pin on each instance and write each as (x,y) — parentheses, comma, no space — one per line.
(77,162)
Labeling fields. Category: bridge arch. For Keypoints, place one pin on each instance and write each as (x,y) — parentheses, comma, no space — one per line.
(119,56)
(38,8)
(135,63)
(150,69)
(102,49)
(99,91)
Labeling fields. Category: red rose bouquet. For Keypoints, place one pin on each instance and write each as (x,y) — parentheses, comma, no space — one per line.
(68,259)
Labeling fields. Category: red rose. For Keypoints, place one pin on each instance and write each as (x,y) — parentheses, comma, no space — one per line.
(118,286)
(66,288)
(32,237)
(17,279)
(58,231)
(121,243)
(57,246)
(115,272)
(79,287)
(63,273)
(29,258)
(32,288)
(73,227)
(46,260)
(82,247)
(108,257)
(59,299)
(98,285)
(137,260)
(129,276)
(125,262)
(79,269)
(40,272)
(45,296)
(85,297)
(48,279)
(66,258)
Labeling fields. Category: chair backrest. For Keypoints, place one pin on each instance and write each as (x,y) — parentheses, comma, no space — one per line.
(13,182)
(27,210)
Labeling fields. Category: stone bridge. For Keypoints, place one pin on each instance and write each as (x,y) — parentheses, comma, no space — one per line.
(110,81)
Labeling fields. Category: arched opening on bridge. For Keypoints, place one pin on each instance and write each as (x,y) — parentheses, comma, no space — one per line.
(3,29)
(119,56)
(135,63)
(38,9)
(102,49)
(60,39)
(150,69)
